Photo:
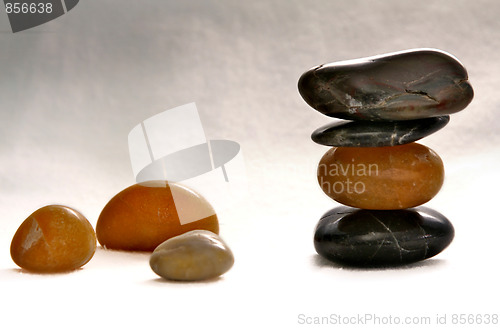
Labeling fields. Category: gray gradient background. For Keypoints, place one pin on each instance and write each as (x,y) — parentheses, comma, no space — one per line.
(72,89)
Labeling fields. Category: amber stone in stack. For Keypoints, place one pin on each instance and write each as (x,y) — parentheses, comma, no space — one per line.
(375,166)
(381,178)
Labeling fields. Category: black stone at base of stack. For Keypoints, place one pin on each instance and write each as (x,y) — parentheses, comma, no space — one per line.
(371,238)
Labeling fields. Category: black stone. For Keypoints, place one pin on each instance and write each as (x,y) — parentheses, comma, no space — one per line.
(399,86)
(377,134)
(381,238)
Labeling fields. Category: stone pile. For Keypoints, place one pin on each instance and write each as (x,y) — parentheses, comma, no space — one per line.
(375,168)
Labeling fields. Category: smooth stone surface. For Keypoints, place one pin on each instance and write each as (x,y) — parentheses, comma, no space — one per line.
(381,178)
(54,238)
(405,85)
(144,215)
(377,134)
(375,238)
(195,255)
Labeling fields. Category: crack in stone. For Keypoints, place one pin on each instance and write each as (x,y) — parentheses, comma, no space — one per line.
(462,84)
(394,135)
(422,93)
(378,248)
(318,68)
(420,79)
(400,140)
(384,102)
(400,249)
(424,234)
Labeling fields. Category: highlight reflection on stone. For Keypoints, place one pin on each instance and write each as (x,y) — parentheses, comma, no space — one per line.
(381,178)
(377,134)
(376,238)
(405,85)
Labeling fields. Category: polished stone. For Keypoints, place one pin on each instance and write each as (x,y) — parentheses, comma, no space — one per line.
(54,238)
(195,255)
(381,178)
(406,85)
(377,134)
(381,238)
(144,215)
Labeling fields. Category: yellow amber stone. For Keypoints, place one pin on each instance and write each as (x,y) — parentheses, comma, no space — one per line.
(54,238)
(381,178)
(144,215)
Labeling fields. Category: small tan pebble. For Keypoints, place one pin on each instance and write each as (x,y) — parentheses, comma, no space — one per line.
(194,255)
(54,238)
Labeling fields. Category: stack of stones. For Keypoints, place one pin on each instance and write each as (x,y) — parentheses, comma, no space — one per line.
(375,167)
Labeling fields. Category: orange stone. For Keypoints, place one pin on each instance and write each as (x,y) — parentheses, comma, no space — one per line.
(54,238)
(381,178)
(144,215)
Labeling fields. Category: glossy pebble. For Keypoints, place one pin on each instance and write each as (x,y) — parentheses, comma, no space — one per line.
(381,178)
(54,238)
(144,215)
(195,255)
(375,238)
(377,134)
(406,85)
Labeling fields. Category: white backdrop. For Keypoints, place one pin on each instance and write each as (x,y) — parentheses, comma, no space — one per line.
(72,89)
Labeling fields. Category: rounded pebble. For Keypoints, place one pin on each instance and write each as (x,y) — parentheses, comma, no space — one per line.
(406,85)
(381,238)
(381,178)
(144,215)
(377,134)
(54,238)
(195,255)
